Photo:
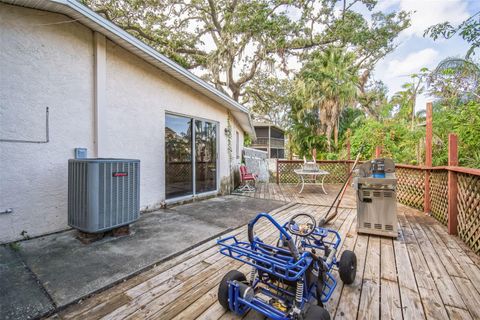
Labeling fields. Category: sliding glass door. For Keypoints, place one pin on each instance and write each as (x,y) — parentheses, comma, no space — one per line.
(190,156)
(178,156)
(205,156)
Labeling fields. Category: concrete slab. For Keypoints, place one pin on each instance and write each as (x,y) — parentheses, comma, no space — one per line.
(228,211)
(70,270)
(21,297)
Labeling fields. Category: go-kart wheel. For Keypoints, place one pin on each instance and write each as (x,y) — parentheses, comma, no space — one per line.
(347,266)
(316,313)
(223,287)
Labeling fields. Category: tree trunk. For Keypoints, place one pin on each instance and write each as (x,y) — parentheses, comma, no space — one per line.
(328,133)
(235,93)
(335,134)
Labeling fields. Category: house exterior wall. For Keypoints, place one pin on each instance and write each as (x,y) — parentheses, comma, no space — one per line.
(43,64)
(48,63)
(138,96)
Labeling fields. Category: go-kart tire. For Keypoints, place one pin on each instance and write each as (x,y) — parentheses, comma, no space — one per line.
(223,287)
(347,266)
(316,313)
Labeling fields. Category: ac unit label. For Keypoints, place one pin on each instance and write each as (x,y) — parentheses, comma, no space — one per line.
(120,174)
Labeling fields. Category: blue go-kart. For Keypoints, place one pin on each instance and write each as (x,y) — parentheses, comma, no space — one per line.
(289,280)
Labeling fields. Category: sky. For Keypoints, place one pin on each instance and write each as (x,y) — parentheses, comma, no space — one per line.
(414,51)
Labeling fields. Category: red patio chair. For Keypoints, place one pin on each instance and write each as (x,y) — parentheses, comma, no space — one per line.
(246,178)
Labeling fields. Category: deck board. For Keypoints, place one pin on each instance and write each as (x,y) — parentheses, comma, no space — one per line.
(423,274)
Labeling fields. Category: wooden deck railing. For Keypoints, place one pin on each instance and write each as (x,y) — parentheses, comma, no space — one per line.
(453,196)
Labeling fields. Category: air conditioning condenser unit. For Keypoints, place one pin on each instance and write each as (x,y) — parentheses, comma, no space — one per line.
(103,194)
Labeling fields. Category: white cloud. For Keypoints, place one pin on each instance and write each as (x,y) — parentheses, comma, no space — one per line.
(413,63)
(429,12)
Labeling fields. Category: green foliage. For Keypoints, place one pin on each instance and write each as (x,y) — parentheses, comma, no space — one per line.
(465,122)
(269,99)
(247,140)
(397,141)
(469,30)
(327,83)
(15,246)
(304,136)
(372,98)
(350,118)
(455,81)
(235,42)
(404,101)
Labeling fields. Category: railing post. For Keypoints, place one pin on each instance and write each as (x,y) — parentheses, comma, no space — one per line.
(428,157)
(278,174)
(378,152)
(452,184)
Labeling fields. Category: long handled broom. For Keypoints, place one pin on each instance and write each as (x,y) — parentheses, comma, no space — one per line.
(339,197)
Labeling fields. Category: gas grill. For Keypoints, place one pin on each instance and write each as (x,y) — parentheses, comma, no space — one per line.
(375,186)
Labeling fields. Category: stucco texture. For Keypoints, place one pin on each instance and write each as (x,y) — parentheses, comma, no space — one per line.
(43,64)
(48,61)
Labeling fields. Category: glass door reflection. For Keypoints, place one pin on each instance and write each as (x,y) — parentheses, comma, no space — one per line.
(205,156)
(178,156)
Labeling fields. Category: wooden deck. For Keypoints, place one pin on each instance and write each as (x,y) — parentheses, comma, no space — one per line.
(424,274)
(312,194)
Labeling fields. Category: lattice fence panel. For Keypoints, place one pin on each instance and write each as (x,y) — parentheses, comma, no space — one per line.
(410,187)
(338,171)
(439,195)
(178,172)
(469,210)
(286,173)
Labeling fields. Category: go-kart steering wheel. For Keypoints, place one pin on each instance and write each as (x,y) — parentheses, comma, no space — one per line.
(302,228)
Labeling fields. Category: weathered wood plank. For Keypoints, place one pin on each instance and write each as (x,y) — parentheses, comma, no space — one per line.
(431,300)
(400,278)
(350,298)
(411,303)
(470,295)
(369,307)
(189,313)
(349,239)
(448,260)
(391,306)
(443,281)
(458,314)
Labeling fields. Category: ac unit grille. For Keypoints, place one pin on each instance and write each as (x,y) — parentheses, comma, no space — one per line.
(378,226)
(367,225)
(77,195)
(377,194)
(388,227)
(109,189)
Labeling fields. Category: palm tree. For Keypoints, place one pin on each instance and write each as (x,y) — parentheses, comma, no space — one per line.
(328,82)
(406,99)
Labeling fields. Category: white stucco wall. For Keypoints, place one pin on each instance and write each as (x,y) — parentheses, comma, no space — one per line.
(138,96)
(44,63)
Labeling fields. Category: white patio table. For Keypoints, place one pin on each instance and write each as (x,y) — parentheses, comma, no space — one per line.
(312,176)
